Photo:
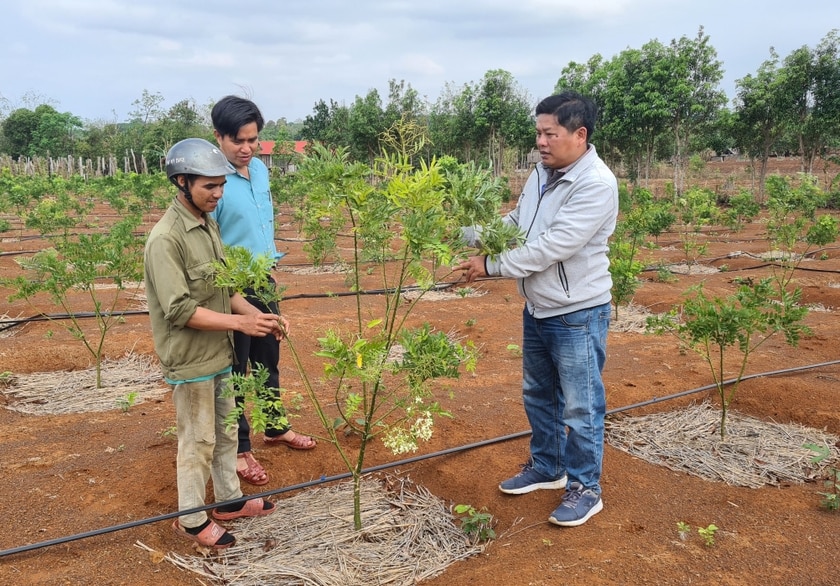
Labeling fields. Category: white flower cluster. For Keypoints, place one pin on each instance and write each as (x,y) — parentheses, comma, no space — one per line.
(399,441)
(402,441)
(422,428)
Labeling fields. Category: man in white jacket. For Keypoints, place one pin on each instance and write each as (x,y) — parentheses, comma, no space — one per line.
(567,211)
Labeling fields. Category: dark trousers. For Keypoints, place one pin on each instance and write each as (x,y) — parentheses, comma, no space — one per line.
(256,351)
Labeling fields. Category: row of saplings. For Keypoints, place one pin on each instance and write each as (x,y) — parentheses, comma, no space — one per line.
(335,196)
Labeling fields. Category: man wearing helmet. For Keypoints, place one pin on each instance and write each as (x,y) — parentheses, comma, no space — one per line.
(192,323)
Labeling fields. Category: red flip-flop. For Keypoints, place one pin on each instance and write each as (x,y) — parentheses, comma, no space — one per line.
(209,536)
(299,442)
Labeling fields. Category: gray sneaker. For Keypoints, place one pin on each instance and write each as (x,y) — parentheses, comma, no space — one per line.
(530,480)
(577,507)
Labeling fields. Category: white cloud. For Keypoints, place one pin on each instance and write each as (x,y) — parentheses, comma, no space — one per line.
(78,17)
(420,65)
(332,59)
(97,56)
(192,61)
(168,45)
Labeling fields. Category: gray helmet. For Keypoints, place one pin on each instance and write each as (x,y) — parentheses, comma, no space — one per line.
(196,156)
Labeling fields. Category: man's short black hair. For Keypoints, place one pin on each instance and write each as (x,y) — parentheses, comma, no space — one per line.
(571,110)
(232,113)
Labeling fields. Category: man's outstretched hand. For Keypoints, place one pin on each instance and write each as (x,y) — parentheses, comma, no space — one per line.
(472,268)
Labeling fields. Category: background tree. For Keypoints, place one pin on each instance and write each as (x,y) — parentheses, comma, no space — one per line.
(798,85)
(181,121)
(18,129)
(316,124)
(403,103)
(645,94)
(760,114)
(154,129)
(636,110)
(42,132)
(593,79)
(365,122)
(502,117)
(719,136)
(148,107)
(327,124)
(585,78)
(137,139)
(826,94)
(56,132)
(280,130)
(811,81)
(692,96)
(452,122)
(98,139)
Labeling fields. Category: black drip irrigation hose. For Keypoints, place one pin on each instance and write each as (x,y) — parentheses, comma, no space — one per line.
(17,252)
(728,382)
(325,479)
(321,480)
(10,323)
(655,268)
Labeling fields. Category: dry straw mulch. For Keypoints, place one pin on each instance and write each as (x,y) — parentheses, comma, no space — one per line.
(692,269)
(407,535)
(754,453)
(629,318)
(74,391)
(324,269)
(7,330)
(444,294)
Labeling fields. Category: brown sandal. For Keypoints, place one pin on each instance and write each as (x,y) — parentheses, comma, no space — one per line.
(210,536)
(254,473)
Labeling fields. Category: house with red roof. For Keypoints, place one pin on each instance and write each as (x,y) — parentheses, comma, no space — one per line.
(271,160)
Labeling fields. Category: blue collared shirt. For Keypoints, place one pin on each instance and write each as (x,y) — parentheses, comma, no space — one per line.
(246,214)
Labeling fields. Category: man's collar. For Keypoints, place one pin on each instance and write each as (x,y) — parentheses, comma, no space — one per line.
(569,167)
(189,219)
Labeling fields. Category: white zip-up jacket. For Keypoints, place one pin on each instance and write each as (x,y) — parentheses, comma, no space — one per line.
(563,266)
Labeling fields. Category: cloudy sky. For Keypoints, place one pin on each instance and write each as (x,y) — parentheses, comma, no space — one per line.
(95,57)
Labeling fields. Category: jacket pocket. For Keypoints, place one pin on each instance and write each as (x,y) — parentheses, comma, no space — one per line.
(201,282)
(548,289)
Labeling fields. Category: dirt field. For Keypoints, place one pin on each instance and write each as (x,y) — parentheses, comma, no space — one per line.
(68,474)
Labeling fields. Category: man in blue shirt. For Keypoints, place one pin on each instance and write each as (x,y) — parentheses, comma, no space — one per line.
(246,218)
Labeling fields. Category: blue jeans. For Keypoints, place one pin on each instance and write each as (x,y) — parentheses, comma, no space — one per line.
(562,360)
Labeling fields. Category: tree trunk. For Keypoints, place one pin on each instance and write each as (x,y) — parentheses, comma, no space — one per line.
(678,163)
(762,175)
